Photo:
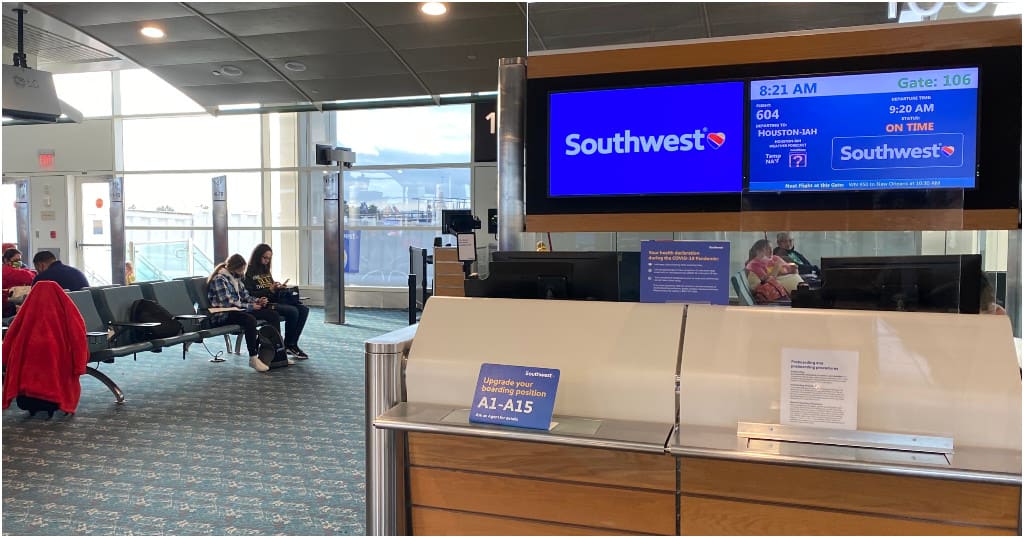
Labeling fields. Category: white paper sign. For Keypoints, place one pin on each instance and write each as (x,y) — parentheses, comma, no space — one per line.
(467,247)
(819,388)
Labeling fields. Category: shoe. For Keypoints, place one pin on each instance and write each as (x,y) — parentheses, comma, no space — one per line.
(291,362)
(256,364)
(294,351)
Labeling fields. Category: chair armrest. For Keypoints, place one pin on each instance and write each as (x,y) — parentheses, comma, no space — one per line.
(96,337)
(191,322)
(191,316)
(140,324)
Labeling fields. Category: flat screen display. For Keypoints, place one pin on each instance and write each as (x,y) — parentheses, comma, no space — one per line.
(679,139)
(877,131)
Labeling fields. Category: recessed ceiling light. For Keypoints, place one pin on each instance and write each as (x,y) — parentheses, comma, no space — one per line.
(434,8)
(292,65)
(215,73)
(152,31)
(231,70)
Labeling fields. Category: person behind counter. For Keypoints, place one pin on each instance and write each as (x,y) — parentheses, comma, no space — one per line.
(227,291)
(763,269)
(50,268)
(789,254)
(260,283)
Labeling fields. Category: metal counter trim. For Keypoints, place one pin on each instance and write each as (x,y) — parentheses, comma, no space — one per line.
(397,341)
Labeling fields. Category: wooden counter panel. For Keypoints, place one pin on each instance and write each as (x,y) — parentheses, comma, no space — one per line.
(450,281)
(950,501)
(539,460)
(718,517)
(449,291)
(434,522)
(446,254)
(544,500)
(804,45)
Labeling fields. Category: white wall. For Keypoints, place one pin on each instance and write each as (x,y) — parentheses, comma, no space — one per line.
(52,215)
(77,147)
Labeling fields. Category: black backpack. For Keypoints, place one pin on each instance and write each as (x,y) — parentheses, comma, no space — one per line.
(36,405)
(146,311)
(272,351)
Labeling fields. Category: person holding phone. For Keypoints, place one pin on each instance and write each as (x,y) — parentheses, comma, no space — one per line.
(235,306)
(260,283)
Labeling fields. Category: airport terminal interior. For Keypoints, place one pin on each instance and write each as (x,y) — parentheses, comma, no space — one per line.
(535,268)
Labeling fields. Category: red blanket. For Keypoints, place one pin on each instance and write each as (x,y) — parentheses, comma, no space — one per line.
(45,350)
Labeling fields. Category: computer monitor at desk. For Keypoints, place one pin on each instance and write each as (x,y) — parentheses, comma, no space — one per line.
(941,283)
(549,275)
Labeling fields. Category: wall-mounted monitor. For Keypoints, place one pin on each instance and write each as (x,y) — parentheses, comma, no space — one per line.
(860,132)
(657,140)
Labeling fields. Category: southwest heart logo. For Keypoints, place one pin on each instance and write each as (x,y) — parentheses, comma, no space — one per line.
(716,139)
(948,150)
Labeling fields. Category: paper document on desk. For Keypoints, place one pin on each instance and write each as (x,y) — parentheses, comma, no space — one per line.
(819,388)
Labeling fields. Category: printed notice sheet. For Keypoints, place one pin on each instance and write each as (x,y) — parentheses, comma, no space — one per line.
(819,388)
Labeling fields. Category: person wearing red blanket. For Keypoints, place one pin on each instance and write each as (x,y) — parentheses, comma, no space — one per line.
(45,350)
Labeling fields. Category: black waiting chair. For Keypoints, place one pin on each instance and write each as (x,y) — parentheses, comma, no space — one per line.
(175,297)
(99,345)
(116,306)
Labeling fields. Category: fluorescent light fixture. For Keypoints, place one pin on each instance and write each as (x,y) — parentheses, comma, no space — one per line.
(8,119)
(434,8)
(1007,8)
(239,106)
(449,95)
(152,32)
(386,99)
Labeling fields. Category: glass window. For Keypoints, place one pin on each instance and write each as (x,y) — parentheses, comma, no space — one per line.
(284,199)
(9,222)
(383,256)
(185,200)
(281,140)
(190,143)
(167,254)
(285,265)
(243,241)
(90,93)
(142,92)
(404,196)
(412,135)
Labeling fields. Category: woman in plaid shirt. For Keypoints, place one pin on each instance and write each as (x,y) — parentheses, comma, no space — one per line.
(226,291)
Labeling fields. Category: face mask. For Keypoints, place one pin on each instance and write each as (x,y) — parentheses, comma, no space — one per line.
(17,264)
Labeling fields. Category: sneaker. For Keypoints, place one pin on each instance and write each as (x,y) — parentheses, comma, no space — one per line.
(256,364)
(294,351)
(291,362)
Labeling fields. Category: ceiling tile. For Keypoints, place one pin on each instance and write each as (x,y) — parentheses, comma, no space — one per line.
(393,13)
(202,74)
(453,33)
(479,80)
(81,14)
(614,18)
(728,19)
(344,66)
(548,7)
(285,45)
(233,94)
(177,29)
(458,57)
(597,40)
(363,88)
(202,51)
(305,18)
(211,8)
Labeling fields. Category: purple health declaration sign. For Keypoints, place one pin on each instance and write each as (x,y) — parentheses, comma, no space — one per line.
(684,272)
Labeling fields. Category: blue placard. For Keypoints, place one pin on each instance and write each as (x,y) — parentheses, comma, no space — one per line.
(520,396)
(675,139)
(684,272)
(901,130)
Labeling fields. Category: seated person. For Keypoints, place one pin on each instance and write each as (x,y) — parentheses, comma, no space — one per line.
(786,251)
(14,274)
(227,291)
(50,268)
(260,283)
(764,267)
(988,299)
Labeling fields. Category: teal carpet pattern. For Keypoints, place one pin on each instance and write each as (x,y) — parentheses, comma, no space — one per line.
(201,448)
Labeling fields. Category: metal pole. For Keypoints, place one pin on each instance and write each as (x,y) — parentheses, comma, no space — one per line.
(511,185)
(385,500)
(1013,281)
(334,251)
(117,239)
(23,217)
(220,219)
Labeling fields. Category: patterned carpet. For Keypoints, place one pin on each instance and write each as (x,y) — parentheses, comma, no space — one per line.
(201,448)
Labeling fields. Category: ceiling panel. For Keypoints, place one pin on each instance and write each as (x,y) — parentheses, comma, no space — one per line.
(362,88)
(177,29)
(202,51)
(81,14)
(482,56)
(202,74)
(210,8)
(479,80)
(304,18)
(261,92)
(746,18)
(615,18)
(391,13)
(451,33)
(550,7)
(343,66)
(354,41)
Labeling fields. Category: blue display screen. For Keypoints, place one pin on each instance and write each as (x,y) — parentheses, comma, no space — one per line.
(901,130)
(680,139)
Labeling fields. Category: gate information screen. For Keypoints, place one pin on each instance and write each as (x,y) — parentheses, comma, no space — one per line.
(678,139)
(900,130)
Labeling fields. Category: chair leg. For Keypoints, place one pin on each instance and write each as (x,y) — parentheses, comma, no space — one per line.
(118,395)
(238,345)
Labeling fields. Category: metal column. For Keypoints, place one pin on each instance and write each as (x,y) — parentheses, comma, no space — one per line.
(220,219)
(117,239)
(1013,281)
(24,218)
(334,250)
(511,185)
(385,499)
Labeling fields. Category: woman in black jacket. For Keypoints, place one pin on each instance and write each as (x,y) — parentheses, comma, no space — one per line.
(260,283)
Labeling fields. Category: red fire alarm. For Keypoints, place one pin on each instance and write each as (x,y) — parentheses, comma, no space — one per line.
(46,159)
(53,234)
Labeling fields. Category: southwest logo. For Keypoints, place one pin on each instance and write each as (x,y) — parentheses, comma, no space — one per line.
(884,152)
(627,142)
(899,151)
(948,150)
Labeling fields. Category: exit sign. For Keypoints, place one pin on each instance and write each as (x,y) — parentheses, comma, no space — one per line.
(46,159)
